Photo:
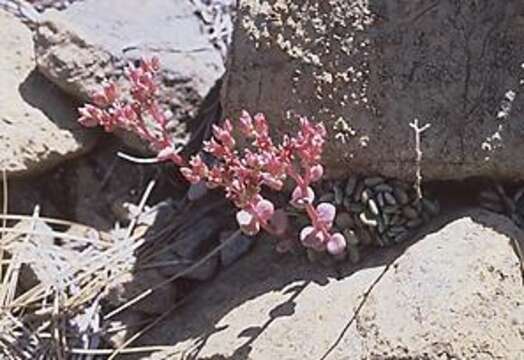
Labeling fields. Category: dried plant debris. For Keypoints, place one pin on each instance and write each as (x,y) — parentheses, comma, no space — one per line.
(51,285)
(217,20)
(374,211)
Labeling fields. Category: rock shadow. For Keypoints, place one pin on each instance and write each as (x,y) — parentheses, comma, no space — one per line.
(264,271)
(42,94)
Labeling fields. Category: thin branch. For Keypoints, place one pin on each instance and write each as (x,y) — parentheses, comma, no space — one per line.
(418,131)
(138,160)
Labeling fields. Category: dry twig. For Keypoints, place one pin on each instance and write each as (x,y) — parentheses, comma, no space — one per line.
(418,131)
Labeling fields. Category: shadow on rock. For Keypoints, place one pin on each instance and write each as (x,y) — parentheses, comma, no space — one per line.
(268,298)
(40,93)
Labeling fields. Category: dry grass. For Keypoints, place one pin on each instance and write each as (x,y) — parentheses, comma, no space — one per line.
(51,284)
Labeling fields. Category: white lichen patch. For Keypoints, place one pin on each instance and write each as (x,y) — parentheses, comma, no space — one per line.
(329,47)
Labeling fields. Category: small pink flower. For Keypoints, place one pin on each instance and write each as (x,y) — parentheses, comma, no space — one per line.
(326,213)
(248,223)
(336,244)
(169,153)
(316,172)
(299,197)
(90,116)
(223,134)
(272,182)
(312,238)
(261,126)
(214,148)
(190,175)
(246,123)
(264,210)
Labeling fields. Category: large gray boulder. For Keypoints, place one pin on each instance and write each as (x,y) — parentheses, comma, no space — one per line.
(38,127)
(91,41)
(455,294)
(369,68)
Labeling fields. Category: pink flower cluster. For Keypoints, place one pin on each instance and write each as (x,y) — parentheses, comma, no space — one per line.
(242,175)
(139,112)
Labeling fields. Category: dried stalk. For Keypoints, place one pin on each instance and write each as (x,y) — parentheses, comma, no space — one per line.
(418,131)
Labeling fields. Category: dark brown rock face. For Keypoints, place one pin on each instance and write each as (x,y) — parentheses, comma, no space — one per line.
(369,68)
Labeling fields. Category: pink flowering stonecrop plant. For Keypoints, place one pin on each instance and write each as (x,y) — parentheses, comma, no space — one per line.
(241,174)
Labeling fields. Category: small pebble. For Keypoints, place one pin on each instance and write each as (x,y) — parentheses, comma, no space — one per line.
(372,205)
(401,196)
(350,185)
(410,212)
(390,199)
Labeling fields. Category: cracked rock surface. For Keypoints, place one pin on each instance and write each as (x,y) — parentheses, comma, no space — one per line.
(91,41)
(38,128)
(369,68)
(454,294)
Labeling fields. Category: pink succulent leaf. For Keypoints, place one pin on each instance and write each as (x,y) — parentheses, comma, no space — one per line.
(336,244)
(299,197)
(248,223)
(326,213)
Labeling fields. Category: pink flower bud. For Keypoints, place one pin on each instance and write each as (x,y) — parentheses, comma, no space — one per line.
(272,182)
(312,238)
(128,114)
(261,126)
(300,198)
(248,223)
(246,123)
(214,148)
(190,175)
(110,92)
(316,172)
(89,116)
(199,166)
(336,244)
(326,213)
(265,209)
(227,127)
(224,136)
